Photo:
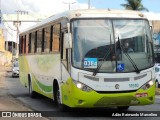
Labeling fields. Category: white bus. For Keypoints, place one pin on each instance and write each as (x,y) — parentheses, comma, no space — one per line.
(79,59)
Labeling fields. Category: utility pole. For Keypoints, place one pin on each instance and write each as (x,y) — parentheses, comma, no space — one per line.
(17,24)
(69,4)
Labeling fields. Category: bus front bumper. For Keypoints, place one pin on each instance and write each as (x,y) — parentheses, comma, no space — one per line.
(74,97)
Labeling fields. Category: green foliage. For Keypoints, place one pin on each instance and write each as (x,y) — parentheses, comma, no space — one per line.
(134,5)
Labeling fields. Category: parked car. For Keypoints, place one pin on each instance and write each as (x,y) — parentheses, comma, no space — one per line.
(157,72)
(15,69)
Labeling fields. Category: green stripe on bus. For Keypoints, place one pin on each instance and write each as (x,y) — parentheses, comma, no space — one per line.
(45,88)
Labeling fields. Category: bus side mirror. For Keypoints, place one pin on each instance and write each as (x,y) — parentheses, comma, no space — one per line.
(67,40)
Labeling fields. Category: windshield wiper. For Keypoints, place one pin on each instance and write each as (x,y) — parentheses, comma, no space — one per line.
(99,66)
(129,58)
(105,56)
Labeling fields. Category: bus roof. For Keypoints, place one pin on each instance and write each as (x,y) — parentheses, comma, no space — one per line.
(89,13)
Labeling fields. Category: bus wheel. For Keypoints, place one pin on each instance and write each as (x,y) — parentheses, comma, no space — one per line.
(32,94)
(157,84)
(123,107)
(61,107)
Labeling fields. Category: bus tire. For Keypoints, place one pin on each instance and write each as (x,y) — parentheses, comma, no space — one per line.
(32,93)
(57,99)
(157,84)
(123,107)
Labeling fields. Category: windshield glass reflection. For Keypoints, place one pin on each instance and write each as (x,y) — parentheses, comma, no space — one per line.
(92,39)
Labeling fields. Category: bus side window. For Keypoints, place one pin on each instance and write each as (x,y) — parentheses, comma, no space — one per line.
(56,38)
(47,40)
(39,39)
(32,42)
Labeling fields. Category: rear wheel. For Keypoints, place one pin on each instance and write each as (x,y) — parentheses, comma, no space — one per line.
(32,93)
(123,107)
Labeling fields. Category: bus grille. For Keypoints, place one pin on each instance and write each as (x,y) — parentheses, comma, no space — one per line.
(115,92)
(115,101)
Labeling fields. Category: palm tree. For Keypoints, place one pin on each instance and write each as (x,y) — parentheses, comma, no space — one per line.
(134,5)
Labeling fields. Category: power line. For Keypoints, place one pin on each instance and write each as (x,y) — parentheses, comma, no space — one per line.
(9,33)
(7,23)
(9,27)
(22,21)
(18,4)
(22,2)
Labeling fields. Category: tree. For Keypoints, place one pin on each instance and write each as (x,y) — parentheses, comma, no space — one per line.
(134,5)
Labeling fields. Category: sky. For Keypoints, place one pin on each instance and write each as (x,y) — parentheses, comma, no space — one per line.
(38,9)
(152,5)
(55,6)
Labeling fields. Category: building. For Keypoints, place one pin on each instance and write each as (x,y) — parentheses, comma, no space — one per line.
(5,56)
(2,41)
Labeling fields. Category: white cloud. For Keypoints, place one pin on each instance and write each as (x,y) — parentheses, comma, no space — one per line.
(152,16)
(36,9)
(45,7)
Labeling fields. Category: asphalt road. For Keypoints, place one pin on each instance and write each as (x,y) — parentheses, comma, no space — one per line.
(44,104)
(9,104)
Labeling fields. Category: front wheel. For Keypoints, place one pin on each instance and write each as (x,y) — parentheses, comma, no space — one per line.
(61,106)
(123,107)
(157,84)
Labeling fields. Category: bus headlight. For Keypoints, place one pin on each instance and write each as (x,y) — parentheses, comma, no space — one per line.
(82,86)
(147,85)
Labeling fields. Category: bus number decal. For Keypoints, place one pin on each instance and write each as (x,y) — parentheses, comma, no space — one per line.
(90,62)
(136,85)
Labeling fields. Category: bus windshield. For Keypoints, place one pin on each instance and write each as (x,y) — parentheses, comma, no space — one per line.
(108,43)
